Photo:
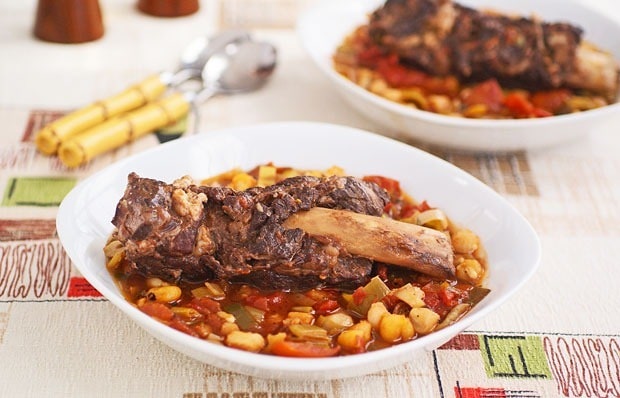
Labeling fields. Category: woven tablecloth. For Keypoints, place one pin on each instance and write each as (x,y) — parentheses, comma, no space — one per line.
(557,337)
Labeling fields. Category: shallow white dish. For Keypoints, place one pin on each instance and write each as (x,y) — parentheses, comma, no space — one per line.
(83,225)
(323,27)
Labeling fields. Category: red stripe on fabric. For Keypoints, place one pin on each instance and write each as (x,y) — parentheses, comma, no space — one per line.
(79,287)
(462,342)
(479,392)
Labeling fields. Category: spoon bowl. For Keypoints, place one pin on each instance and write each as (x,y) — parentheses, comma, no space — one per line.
(238,67)
(199,50)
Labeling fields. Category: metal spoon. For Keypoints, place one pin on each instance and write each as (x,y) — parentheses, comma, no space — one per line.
(198,52)
(239,67)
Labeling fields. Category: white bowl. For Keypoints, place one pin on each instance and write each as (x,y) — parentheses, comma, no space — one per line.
(323,27)
(84,224)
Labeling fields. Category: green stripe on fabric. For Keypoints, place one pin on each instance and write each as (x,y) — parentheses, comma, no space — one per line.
(514,356)
(37,191)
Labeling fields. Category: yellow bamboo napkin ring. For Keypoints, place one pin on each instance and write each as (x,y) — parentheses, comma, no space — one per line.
(51,136)
(123,129)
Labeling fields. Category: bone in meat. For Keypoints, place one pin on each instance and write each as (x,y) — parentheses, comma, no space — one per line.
(442,37)
(184,232)
(381,239)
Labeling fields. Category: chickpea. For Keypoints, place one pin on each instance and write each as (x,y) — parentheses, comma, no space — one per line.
(113,247)
(334,323)
(378,86)
(356,337)
(395,327)
(164,294)
(242,181)
(365,327)
(480,254)
(274,338)
(351,339)
(465,241)
(424,320)
(115,260)
(228,328)
(297,318)
(375,313)
(469,270)
(247,341)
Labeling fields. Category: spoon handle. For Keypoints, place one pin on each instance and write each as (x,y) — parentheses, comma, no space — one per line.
(50,137)
(123,129)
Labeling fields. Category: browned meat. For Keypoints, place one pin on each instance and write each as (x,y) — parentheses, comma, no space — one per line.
(416,30)
(185,232)
(442,37)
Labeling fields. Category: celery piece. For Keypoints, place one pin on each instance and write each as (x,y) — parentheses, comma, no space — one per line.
(308,332)
(374,291)
(244,319)
(257,314)
(335,323)
(215,290)
(212,290)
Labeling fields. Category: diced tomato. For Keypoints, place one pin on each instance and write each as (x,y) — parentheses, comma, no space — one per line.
(157,310)
(258,301)
(205,305)
(182,327)
(432,301)
(518,105)
(407,211)
(448,297)
(269,302)
(276,299)
(397,75)
(391,185)
(215,321)
(359,295)
(325,307)
(488,93)
(551,101)
(431,296)
(423,206)
(539,112)
(369,56)
(287,348)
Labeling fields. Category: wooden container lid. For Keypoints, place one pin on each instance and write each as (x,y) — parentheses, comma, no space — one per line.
(168,8)
(68,21)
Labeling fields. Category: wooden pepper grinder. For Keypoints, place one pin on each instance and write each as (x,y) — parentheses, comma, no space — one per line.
(168,8)
(68,21)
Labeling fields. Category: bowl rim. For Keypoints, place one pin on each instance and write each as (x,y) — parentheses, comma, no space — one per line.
(286,366)
(305,23)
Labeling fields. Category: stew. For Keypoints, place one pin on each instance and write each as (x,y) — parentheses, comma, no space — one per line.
(396,304)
